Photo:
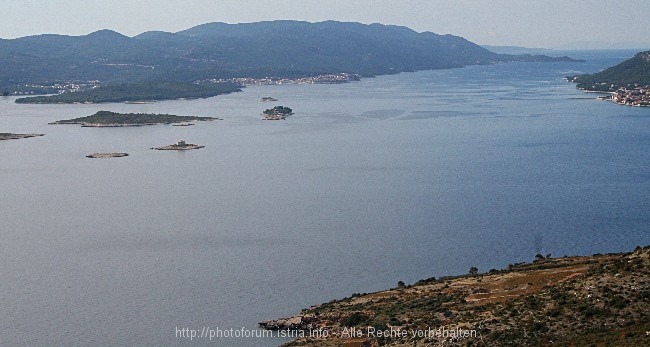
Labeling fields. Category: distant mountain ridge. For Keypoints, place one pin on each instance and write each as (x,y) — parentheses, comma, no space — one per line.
(219,50)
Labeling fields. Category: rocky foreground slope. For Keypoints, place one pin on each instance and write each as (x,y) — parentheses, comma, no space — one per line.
(599,300)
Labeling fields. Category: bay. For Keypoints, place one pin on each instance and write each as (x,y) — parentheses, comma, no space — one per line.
(398,177)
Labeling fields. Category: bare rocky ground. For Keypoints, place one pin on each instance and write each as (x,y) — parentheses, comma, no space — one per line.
(599,300)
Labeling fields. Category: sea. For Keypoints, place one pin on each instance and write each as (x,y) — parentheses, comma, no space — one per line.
(393,178)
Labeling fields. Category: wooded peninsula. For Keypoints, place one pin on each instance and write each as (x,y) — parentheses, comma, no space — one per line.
(628,83)
(154,91)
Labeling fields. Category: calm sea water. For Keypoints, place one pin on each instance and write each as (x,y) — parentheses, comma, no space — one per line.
(391,178)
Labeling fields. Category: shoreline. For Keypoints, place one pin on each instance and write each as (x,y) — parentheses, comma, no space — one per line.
(625,97)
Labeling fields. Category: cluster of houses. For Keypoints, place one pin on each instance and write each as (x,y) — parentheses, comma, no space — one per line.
(57,88)
(328,78)
(637,96)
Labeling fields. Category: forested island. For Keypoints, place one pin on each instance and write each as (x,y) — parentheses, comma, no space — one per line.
(628,82)
(277,113)
(114,119)
(598,300)
(139,92)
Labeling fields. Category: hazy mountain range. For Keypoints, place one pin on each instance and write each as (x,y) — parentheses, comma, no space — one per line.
(219,50)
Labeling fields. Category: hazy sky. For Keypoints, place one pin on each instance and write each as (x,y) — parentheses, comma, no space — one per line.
(529,23)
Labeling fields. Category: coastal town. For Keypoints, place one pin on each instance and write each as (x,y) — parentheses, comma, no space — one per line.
(627,83)
(637,96)
(54,88)
(319,79)
(71,87)
(631,95)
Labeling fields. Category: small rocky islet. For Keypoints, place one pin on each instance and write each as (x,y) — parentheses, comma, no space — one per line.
(107,155)
(180,145)
(12,136)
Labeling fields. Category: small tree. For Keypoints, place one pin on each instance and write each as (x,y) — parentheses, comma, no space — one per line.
(473,271)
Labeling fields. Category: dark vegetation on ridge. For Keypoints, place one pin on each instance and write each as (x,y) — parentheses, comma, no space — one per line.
(137,92)
(634,71)
(108,118)
(277,113)
(220,51)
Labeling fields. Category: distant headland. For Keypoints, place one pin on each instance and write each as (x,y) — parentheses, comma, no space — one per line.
(628,83)
(114,119)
